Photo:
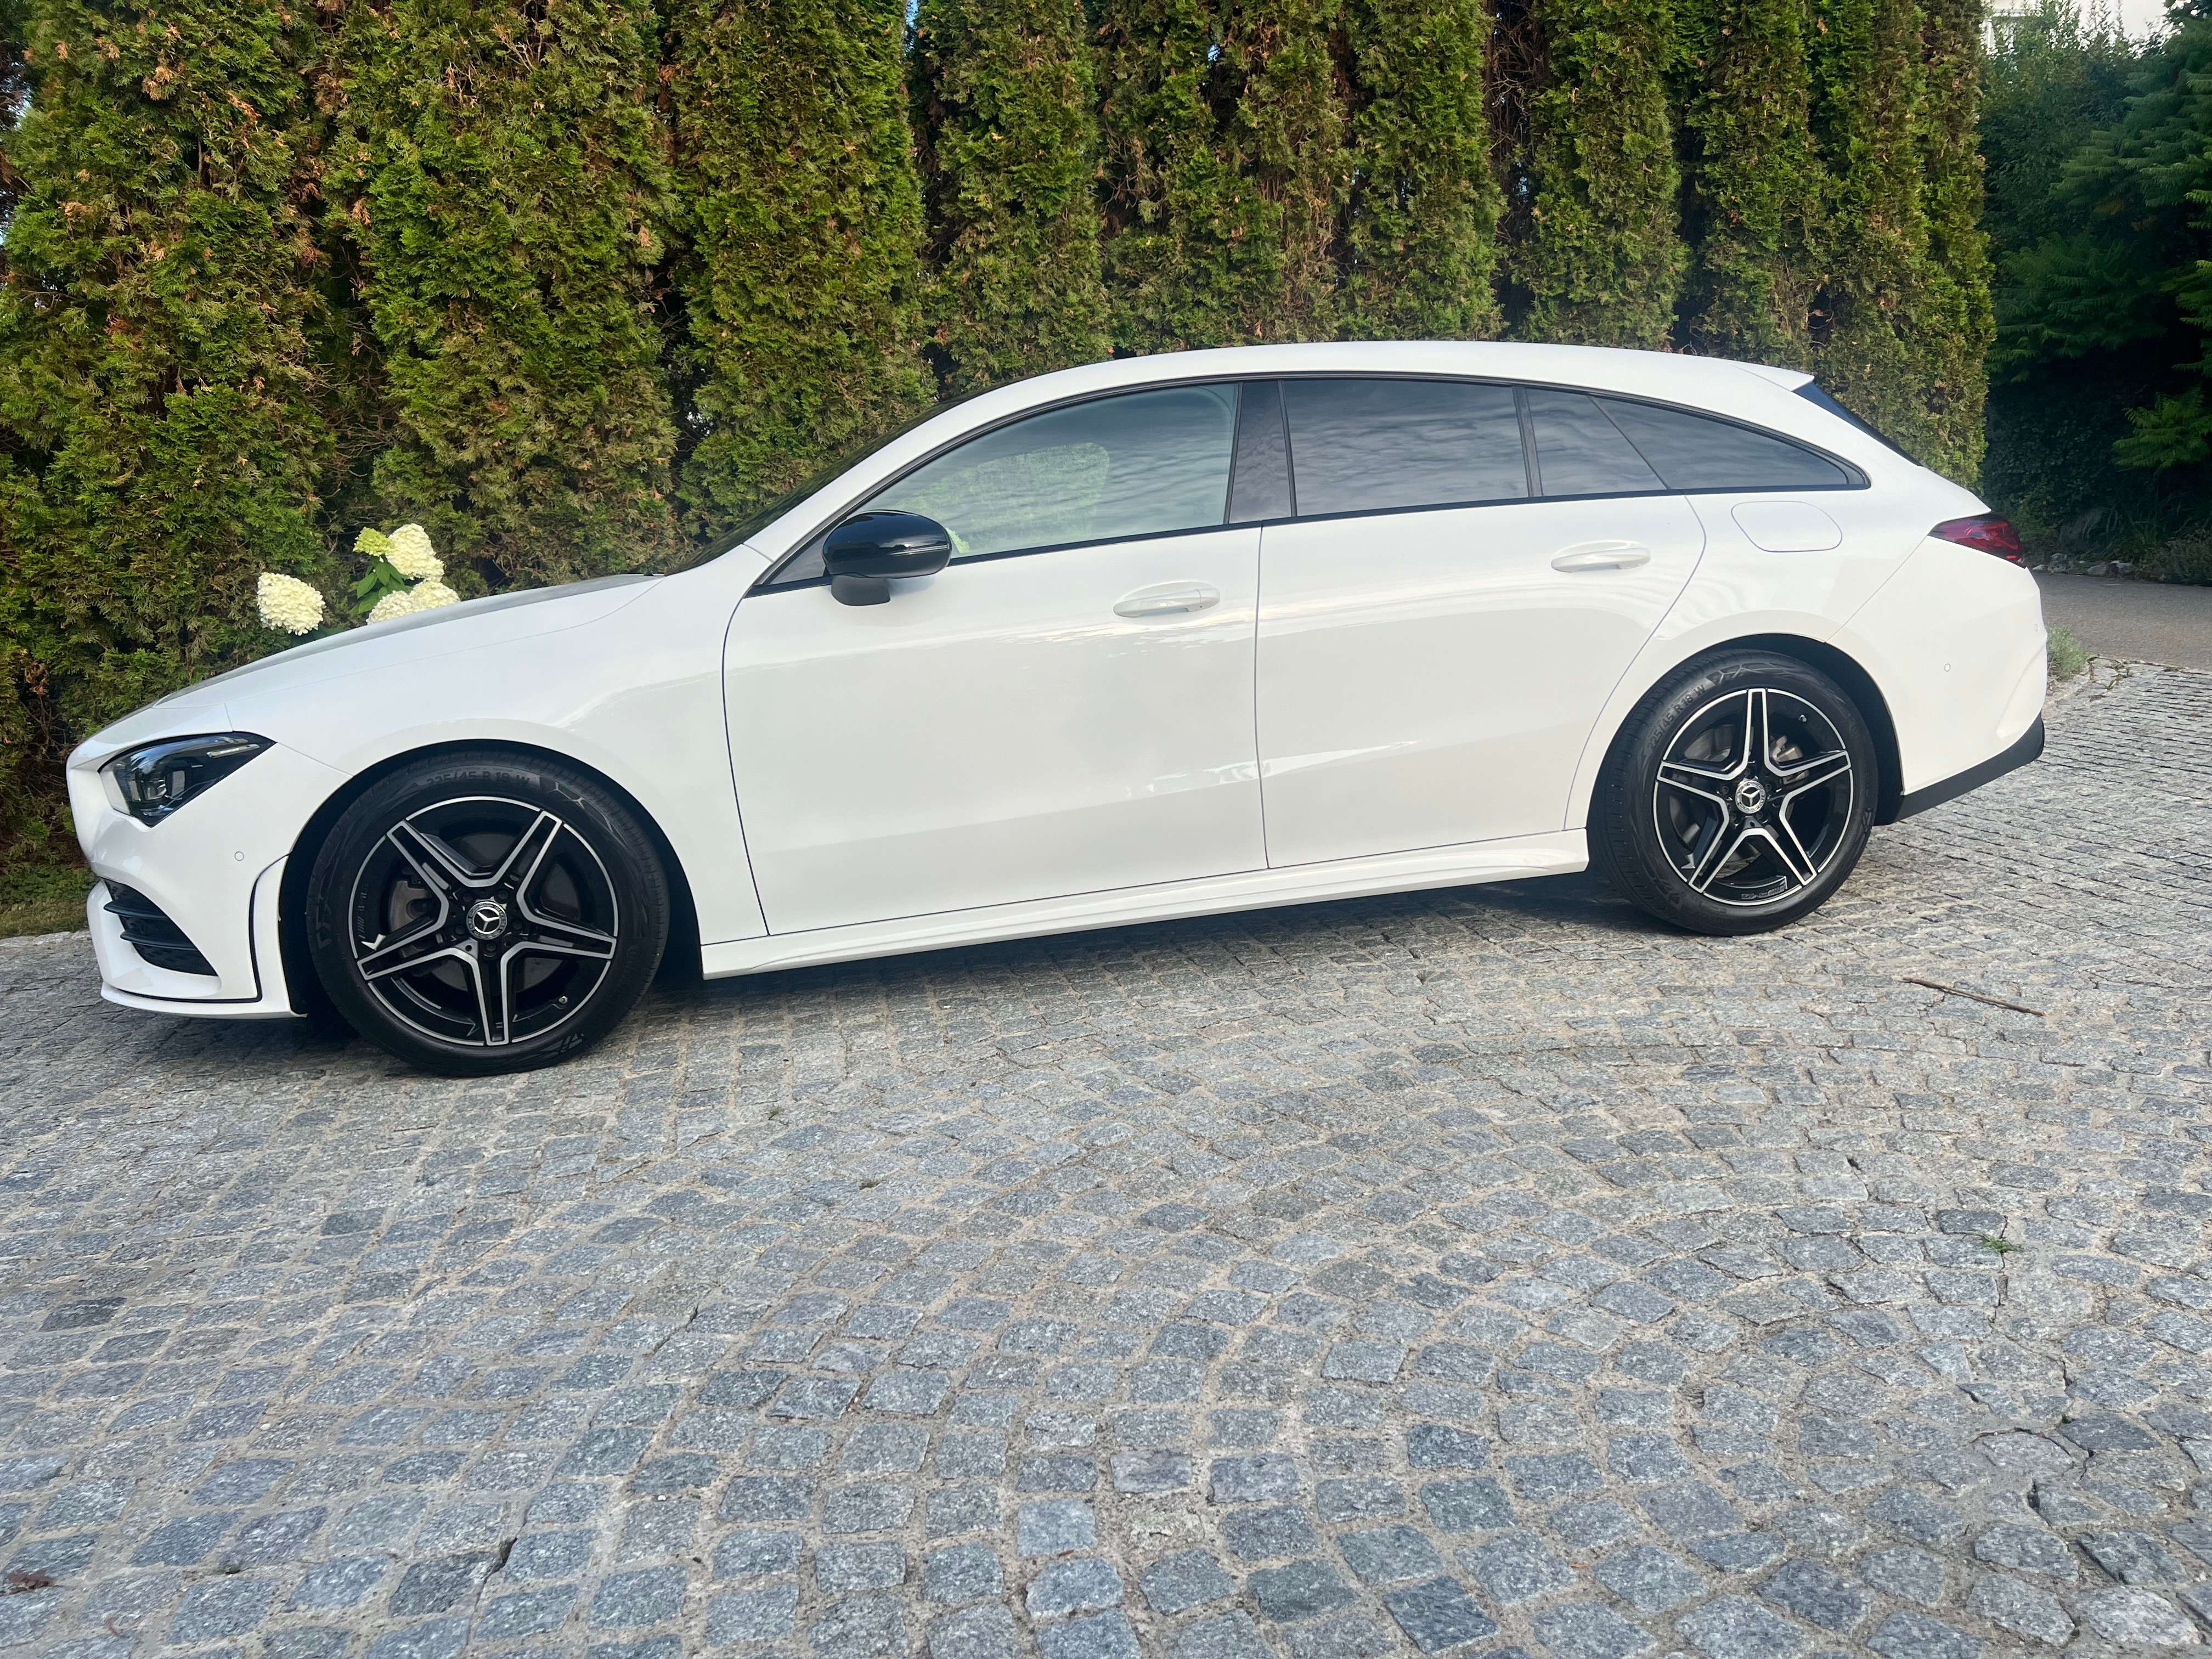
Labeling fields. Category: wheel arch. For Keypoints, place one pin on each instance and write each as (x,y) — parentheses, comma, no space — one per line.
(679,957)
(1839,666)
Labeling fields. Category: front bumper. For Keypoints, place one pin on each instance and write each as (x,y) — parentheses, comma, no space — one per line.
(215,868)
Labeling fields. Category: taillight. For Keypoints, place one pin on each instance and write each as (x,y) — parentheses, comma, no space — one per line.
(1988,533)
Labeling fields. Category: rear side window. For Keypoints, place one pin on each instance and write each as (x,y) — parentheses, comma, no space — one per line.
(1366,446)
(1690,452)
(1144,464)
(1579,452)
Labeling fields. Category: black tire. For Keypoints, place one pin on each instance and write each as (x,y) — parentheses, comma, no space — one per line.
(1691,826)
(480,912)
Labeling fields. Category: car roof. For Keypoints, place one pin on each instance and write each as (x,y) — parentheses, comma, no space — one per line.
(1757,392)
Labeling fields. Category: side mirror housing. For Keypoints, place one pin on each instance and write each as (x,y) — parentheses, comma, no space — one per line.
(865,552)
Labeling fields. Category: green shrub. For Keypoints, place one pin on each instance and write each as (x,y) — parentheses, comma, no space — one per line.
(497,174)
(163,435)
(1420,246)
(1601,257)
(794,174)
(1009,152)
(1225,142)
(1752,187)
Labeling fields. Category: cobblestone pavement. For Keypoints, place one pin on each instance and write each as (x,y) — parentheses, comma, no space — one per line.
(1462,1272)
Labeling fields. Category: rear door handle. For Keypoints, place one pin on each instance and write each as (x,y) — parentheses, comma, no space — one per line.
(1603,555)
(1168,599)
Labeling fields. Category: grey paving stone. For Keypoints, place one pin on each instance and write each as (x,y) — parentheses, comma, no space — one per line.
(1186,1579)
(973,1633)
(1650,1580)
(1438,1615)
(1232,1636)
(1514,1566)
(1314,1235)
(2021,1609)
(1299,1591)
(1583,1630)
(2136,1619)
(1386,1555)
(1080,1584)
(1101,1635)
(1734,1627)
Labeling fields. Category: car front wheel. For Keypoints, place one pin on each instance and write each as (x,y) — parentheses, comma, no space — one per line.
(1738,798)
(478,913)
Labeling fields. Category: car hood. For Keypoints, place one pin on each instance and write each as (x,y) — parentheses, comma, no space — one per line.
(502,617)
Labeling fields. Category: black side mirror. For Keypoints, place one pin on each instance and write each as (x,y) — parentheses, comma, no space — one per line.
(865,552)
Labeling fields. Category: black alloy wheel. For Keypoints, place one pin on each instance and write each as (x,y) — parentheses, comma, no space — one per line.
(1739,796)
(486,913)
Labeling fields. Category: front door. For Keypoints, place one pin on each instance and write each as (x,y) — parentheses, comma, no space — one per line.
(1429,670)
(1067,708)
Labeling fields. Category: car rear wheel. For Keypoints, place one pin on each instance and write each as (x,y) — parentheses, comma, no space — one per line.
(1738,798)
(478,913)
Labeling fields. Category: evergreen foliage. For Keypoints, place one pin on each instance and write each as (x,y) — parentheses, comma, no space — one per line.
(2105,338)
(497,172)
(1225,129)
(1751,220)
(1004,90)
(1420,227)
(1866,76)
(2065,370)
(1602,258)
(796,174)
(581,286)
(161,433)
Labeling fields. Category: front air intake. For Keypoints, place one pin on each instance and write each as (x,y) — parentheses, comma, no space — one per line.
(148,931)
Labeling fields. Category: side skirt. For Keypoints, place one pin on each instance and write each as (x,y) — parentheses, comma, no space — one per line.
(1558,854)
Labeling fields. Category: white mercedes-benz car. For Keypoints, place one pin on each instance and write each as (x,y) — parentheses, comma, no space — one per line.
(1149,638)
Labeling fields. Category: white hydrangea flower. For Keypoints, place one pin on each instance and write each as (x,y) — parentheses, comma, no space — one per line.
(410,553)
(288,605)
(423,596)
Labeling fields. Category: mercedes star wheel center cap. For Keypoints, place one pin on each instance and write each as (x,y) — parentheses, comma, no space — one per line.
(486,918)
(1750,795)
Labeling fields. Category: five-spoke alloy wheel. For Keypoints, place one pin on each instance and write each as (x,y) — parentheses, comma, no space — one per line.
(1738,797)
(486,913)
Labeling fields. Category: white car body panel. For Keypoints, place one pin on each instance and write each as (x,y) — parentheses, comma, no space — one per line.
(997,733)
(995,753)
(1427,678)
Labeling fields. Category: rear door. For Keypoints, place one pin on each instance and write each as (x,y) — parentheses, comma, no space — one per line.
(1465,572)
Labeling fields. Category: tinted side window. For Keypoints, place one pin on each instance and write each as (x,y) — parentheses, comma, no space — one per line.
(1580,452)
(1692,452)
(1143,464)
(1360,446)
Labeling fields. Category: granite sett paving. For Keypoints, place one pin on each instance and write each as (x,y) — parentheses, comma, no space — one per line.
(1483,1272)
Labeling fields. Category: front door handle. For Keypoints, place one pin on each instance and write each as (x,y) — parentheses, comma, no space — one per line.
(1603,555)
(1167,598)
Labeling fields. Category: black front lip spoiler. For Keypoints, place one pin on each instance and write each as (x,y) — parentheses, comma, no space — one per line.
(2029,746)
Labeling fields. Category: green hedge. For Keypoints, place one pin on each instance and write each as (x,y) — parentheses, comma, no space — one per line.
(579,287)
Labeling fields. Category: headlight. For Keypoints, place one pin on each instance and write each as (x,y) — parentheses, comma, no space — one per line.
(158,777)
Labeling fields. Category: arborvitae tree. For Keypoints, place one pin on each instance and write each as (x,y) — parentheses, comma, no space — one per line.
(1224,130)
(498,167)
(1957,323)
(795,163)
(1004,96)
(1867,80)
(1750,189)
(1600,258)
(161,438)
(1421,235)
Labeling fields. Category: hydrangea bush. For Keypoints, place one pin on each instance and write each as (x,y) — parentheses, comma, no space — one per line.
(405,575)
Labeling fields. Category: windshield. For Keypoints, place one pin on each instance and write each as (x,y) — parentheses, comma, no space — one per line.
(761,517)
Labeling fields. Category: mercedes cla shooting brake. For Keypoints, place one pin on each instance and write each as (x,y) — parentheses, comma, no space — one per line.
(1151,638)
